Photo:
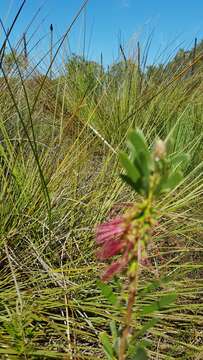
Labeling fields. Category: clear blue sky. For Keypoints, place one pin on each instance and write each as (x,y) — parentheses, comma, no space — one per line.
(174,23)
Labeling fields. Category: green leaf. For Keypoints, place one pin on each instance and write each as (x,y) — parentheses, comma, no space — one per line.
(179,159)
(167,300)
(145,163)
(132,171)
(135,186)
(115,336)
(107,292)
(149,324)
(163,302)
(172,181)
(154,285)
(108,349)
(141,154)
(150,287)
(133,347)
(140,354)
(137,143)
(149,309)
(145,343)
(113,330)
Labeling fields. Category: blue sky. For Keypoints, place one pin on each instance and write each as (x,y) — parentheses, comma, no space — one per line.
(173,24)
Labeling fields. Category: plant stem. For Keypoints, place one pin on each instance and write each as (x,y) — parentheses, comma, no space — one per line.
(133,281)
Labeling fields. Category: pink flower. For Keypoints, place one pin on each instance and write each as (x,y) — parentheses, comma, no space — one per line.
(112,236)
(123,236)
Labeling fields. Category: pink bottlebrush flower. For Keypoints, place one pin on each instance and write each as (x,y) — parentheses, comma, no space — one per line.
(115,268)
(113,239)
(112,229)
(121,236)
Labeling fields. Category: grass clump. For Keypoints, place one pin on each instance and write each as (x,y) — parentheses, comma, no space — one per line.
(59,178)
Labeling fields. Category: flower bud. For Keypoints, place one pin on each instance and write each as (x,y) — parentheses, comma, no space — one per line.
(159,149)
